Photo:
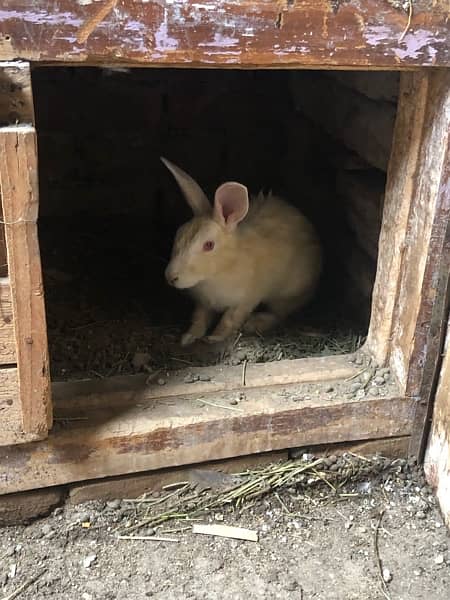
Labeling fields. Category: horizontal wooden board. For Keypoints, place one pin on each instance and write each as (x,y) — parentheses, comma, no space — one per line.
(101,434)
(7,339)
(227,33)
(11,430)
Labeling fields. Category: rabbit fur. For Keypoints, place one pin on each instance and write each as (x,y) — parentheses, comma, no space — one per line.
(237,255)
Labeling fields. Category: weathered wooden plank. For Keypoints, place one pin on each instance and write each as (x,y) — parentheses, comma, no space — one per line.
(19,195)
(226,33)
(363,125)
(426,250)
(134,432)
(7,338)
(437,457)
(16,96)
(17,509)
(11,431)
(220,379)
(132,486)
(406,222)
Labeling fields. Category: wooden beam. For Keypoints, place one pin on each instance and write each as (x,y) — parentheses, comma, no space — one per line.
(7,338)
(227,33)
(19,194)
(101,434)
(400,207)
(437,457)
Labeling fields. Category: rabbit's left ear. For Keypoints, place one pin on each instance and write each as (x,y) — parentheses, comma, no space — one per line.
(193,193)
(230,204)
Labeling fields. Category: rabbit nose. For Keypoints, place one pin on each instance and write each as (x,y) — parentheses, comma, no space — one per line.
(171,277)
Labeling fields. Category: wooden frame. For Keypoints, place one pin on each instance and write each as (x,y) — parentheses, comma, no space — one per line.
(26,407)
(122,425)
(250,34)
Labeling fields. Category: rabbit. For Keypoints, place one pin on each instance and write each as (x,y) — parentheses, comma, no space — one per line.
(237,255)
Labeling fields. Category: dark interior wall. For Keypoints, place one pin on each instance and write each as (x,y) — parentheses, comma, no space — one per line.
(100,135)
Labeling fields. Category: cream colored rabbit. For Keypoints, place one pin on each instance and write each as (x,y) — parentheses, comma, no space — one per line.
(233,258)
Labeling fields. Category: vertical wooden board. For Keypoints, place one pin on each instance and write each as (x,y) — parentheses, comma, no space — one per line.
(423,285)
(19,192)
(7,339)
(437,457)
(3,257)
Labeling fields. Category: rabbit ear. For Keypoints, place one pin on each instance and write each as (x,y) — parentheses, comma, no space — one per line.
(230,204)
(195,196)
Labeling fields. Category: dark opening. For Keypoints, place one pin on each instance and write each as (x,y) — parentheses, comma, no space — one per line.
(109,209)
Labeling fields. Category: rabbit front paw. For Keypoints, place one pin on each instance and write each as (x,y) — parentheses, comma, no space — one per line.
(188,338)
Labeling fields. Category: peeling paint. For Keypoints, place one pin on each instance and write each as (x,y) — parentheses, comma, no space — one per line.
(163,41)
(41,17)
(377,34)
(220,41)
(415,43)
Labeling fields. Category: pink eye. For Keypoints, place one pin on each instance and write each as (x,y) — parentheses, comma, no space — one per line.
(207,246)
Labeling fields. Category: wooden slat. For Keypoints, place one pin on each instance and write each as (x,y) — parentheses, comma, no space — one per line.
(437,457)
(428,218)
(227,33)
(11,431)
(399,203)
(19,191)
(132,486)
(16,97)
(7,339)
(130,431)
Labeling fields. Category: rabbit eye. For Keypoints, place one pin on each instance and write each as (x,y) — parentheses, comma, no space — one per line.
(207,246)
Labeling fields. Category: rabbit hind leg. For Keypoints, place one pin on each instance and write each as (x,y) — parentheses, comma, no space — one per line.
(262,321)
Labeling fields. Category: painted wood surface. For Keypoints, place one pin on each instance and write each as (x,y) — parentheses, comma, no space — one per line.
(250,33)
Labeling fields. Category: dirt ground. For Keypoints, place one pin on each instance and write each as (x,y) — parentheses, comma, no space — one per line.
(316,540)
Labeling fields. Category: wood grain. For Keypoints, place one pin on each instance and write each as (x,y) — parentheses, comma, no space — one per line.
(134,433)
(11,431)
(19,192)
(437,457)
(226,33)
(399,201)
(7,338)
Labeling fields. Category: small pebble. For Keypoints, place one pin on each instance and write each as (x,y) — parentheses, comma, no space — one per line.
(150,531)
(161,381)
(58,511)
(290,584)
(113,504)
(18,548)
(86,596)
(355,386)
(205,378)
(233,402)
(83,517)
(10,551)
(373,391)
(379,380)
(439,559)
(387,575)
(89,560)
(359,361)
(46,529)
(421,515)
(329,389)
(190,378)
